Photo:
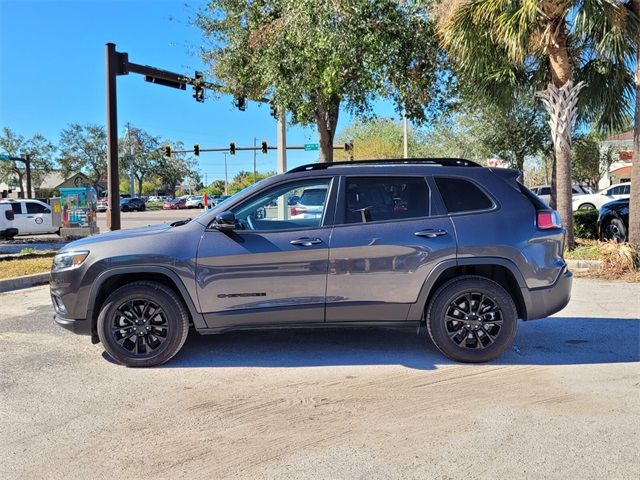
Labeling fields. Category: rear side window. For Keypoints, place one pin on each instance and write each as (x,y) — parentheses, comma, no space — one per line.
(374,199)
(544,191)
(461,195)
(36,208)
(16,207)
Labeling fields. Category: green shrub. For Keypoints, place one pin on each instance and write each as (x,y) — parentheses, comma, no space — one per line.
(585,224)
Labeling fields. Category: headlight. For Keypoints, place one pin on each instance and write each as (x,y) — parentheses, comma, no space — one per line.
(68,260)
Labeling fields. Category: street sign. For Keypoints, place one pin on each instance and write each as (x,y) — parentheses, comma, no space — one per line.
(310,147)
(5,158)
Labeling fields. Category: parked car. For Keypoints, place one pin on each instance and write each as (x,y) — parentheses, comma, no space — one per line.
(613,221)
(220,199)
(7,225)
(544,192)
(176,204)
(102,205)
(597,200)
(472,252)
(310,204)
(195,201)
(132,204)
(31,217)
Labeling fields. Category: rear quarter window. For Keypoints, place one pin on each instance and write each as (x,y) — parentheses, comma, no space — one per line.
(460,195)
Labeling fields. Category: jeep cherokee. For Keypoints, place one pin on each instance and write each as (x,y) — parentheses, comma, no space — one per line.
(446,243)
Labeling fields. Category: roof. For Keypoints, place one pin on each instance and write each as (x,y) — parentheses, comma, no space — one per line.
(440,162)
(620,137)
(622,171)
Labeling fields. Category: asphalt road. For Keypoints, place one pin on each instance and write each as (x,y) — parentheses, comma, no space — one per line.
(370,404)
(142,219)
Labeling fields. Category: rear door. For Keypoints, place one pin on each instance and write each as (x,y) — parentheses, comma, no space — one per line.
(388,237)
(20,218)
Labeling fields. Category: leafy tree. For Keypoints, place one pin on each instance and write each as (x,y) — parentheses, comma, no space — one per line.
(313,56)
(377,138)
(588,162)
(244,179)
(37,147)
(172,171)
(139,153)
(84,148)
(500,45)
(215,188)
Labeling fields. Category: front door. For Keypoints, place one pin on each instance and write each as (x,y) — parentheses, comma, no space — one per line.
(39,219)
(272,269)
(385,243)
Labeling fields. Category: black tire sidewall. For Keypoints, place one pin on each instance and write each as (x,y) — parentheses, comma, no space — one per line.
(449,292)
(174,312)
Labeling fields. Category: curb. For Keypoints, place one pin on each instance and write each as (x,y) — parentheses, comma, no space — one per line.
(27,281)
(584,264)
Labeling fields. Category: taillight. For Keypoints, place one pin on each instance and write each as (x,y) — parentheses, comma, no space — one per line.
(9,215)
(547,219)
(297,210)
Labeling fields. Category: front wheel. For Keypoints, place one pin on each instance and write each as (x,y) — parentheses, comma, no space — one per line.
(587,206)
(143,324)
(472,319)
(143,208)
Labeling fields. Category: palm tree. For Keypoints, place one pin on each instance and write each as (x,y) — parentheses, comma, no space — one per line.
(564,47)
(634,202)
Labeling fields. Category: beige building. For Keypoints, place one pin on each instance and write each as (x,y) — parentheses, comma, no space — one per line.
(620,170)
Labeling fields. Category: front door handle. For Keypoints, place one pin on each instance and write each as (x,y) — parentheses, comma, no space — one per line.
(431,233)
(305,241)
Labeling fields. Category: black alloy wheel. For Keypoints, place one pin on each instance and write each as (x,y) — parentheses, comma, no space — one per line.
(472,319)
(143,324)
(615,230)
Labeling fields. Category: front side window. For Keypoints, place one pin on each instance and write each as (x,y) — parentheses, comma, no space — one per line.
(294,205)
(33,207)
(544,191)
(374,199)
(460,195)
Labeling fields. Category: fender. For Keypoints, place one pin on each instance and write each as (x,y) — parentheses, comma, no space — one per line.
(416,312)
(197,317)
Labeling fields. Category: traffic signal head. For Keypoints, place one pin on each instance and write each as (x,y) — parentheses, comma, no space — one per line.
(348,147)
(274,110)
(198,89)
(240,103)
(232,148)
(196,150)
(167,151)
(265,148)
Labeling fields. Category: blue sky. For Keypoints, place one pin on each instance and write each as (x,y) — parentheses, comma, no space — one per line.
(52,74)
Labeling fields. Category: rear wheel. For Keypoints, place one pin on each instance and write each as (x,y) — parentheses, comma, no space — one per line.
(472,319)
(587,206)
(143,208)
(143,324)
(614,230)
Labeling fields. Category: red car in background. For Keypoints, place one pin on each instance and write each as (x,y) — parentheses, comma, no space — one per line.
(177,204)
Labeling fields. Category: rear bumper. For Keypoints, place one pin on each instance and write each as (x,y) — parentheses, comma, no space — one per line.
(542,302)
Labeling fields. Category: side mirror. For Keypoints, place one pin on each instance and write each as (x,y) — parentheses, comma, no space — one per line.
(225,221)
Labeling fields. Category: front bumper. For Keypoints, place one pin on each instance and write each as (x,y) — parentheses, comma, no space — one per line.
(79,326)
(542,302)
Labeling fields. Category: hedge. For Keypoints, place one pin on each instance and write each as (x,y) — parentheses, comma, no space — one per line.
(585,224)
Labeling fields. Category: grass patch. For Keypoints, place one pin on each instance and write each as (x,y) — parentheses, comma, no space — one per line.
(27,266)
(585,250)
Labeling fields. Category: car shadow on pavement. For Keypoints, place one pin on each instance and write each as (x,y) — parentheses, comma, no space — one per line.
(552,341)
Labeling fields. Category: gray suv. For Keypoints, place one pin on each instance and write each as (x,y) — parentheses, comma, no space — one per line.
(462,249)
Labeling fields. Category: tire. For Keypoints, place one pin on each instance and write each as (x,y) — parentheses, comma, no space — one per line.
(143,208)
(472,329)
(614,230)
(124,209)
(200,205)
(131,301)
(587,206)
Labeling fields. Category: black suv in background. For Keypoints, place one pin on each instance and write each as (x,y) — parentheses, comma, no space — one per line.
(464,250)
(613,221)
(131,204)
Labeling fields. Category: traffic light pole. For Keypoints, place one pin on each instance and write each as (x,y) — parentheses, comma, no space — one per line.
(113,175)
(281,135)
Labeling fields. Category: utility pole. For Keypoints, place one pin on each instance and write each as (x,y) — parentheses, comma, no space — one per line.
(132,178)
(405,130)
(226,180)
(254,158)
(113,182)
(27,163)
(282,141)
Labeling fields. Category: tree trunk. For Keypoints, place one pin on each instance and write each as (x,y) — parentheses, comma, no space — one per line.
(326,121)
(634,201)
(140,180)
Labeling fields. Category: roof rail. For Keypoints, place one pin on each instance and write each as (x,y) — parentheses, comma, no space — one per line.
(444,162)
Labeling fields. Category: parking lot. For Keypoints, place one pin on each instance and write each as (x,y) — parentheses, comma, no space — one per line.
(563,403)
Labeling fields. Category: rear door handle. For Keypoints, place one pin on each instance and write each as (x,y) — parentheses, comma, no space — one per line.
(305,241)
(29,216)
(431,233)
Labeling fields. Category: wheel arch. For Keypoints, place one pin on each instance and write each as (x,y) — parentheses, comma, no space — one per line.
(500,270)
(111,280)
